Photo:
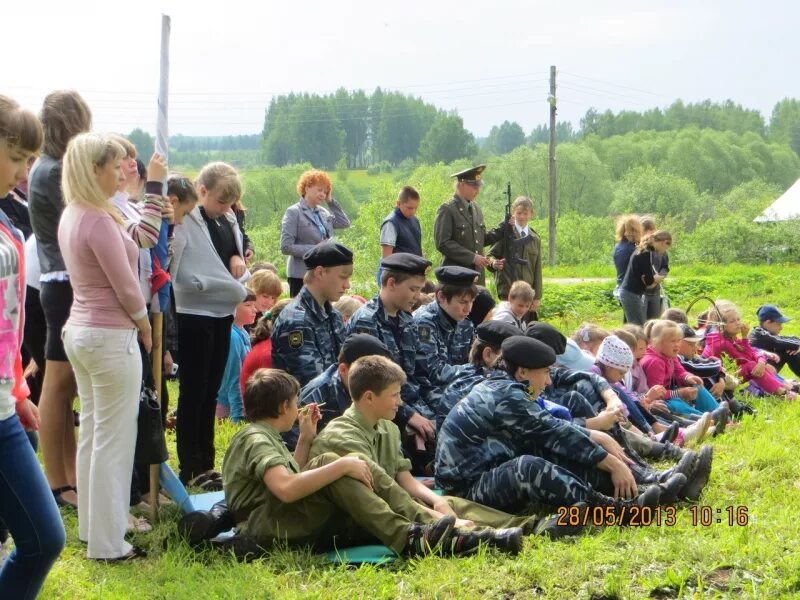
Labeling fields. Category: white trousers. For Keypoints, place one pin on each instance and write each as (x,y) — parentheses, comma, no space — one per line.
(108,371)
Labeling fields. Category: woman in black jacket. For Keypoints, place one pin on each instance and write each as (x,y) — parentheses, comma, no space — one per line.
(643,274)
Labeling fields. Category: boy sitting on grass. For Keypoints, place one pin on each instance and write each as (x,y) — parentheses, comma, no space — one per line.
(366,428)
(331,500)
(767,337)
(514,311)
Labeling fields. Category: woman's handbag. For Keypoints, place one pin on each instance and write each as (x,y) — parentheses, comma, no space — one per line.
(151,446)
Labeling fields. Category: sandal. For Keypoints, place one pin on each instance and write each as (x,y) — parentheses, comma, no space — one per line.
(134,553)
(138,524)
(60,490)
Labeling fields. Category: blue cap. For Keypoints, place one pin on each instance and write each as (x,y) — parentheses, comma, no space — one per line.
(770,312)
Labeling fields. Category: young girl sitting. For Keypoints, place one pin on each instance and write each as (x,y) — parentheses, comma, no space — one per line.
(728,336)
(662,367)
(589,337)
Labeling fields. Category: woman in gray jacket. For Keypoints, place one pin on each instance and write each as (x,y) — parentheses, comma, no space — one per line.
(308,223)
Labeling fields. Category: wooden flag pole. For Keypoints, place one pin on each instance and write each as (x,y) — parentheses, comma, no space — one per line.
(162,147)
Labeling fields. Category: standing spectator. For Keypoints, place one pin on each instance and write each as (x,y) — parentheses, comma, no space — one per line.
(207,269)
(525,263)
(459,230)
(64,115)
(26,504)
(100,341)
(308,223)
(653,297)
(401,231)
(642,274)
(628,235)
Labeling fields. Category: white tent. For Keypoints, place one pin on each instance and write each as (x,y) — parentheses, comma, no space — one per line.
(784,208)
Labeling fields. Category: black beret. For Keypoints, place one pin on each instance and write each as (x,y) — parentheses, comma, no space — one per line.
(406,262)
(362,344)
(494,332)
(481,305)
(471,175)
(329,254)
(544,332)
(456,276)
(527,352)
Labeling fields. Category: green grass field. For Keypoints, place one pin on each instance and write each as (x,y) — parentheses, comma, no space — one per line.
(754,467)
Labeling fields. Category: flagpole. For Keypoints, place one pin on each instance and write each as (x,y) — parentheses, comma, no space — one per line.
(162,148)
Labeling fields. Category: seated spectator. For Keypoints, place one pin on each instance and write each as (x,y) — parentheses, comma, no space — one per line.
(767,337)
(518,305)
(260,355)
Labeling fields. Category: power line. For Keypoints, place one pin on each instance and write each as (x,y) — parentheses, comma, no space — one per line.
(611,83)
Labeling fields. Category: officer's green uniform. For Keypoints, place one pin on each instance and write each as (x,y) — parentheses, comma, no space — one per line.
(351,433)
(460,231)
(346,509)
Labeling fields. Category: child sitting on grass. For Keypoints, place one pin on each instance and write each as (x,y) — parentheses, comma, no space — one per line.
(662,367)
(513,311)
(229,397)
(767,337)
(727,337)
(260,355)
(330,501)
(589,337)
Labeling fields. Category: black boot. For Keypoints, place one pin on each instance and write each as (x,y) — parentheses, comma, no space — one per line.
(700,475)
(202,525)
(671,488)
(669,434)
(425,539)
(740,409)
(649,497)
(551,527)
(673,452)
(506,540)
(720,416)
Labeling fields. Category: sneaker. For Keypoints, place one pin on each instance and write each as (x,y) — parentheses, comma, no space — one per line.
(696,431)
(425,539)
(720,417)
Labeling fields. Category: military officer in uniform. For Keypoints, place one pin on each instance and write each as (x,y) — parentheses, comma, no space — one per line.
(459,230)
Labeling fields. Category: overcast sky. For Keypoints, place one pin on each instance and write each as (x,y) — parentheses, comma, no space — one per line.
(489,61)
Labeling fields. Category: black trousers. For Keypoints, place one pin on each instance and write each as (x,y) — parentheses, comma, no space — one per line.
(793,361)
(204,344)
(295,285)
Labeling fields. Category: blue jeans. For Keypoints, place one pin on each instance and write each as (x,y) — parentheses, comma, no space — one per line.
(29,509)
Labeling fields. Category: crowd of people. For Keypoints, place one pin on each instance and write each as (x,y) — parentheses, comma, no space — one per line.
(433,417)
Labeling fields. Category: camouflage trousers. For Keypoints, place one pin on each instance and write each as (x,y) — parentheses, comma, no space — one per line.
(532,481)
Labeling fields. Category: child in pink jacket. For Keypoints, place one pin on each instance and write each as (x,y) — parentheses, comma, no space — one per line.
(729,337)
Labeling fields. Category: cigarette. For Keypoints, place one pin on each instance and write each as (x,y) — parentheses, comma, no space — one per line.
(307,407)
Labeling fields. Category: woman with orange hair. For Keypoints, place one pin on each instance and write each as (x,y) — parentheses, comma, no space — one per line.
(309,222)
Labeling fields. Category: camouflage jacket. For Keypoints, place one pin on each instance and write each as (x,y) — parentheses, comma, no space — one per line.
(496,422)
(307,337)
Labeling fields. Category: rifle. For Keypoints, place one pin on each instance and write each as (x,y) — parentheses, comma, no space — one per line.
(512,246)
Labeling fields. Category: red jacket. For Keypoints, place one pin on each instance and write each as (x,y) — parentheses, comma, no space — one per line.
(260,356)
(661,370)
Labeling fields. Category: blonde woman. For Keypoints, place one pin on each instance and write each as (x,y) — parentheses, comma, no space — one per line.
(108,311)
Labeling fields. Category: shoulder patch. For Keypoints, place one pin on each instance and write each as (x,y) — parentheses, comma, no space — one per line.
(424,333)
(295,339)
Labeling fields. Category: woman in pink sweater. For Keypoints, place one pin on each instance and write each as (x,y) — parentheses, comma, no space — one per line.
(108,311)
(730,337)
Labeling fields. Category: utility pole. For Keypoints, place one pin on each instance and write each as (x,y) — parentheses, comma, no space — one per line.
(551,241)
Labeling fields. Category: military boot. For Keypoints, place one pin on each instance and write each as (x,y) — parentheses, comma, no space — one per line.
(552,527)
(622,508)
(426,539)
(671,488)
(202,525)
(506,540)
(700,474)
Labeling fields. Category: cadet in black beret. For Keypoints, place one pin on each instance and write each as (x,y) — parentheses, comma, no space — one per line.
(494,333)
(544,332)
(406,263)
(456,276)
(528,353)
(358,345)
(481,307)
(329,254)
